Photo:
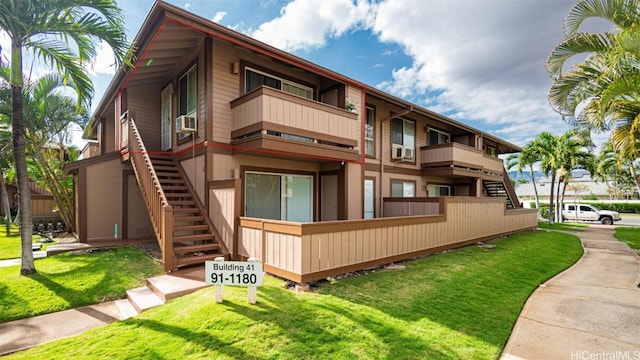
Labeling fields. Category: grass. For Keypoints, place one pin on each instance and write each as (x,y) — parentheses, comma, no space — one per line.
(629,235)
(563,226)
(457,305)
(67,281)
(10,246)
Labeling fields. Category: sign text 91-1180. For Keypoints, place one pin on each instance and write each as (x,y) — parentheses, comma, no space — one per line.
(239,273)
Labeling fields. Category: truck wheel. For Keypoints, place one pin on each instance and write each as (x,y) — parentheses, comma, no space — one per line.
(606,221)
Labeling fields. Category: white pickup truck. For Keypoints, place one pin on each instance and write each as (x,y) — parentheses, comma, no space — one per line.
(589,213)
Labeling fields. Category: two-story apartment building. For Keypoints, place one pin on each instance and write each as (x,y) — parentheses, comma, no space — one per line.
(213,136)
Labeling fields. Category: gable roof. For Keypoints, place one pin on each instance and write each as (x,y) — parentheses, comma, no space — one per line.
(169,32)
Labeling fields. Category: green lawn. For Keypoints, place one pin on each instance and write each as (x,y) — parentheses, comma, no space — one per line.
(10,247)
(629,235)
(457,305)
(563,226)
(67,281)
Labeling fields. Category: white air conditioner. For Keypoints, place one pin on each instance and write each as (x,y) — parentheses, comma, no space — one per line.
(186,124)
(409,153)
(397,152)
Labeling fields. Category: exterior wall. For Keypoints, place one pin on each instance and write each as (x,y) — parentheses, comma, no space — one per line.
(43,206)
(104,200)
(307,252)
(144,105)
(223,197)
(138,222)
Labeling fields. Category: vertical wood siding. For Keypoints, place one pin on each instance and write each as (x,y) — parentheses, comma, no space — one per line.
(306,252)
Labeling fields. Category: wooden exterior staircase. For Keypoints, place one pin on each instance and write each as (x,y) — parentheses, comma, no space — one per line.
(184,231)
(503,189)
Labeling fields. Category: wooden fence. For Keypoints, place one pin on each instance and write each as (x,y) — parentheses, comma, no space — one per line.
(304,252)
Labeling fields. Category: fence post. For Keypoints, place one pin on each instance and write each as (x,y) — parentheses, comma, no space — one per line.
(251,290)
(219,291)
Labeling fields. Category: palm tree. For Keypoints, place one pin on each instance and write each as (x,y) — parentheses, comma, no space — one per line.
(544,147)
(63,34)
(526,158)
(607,82)
(573,152)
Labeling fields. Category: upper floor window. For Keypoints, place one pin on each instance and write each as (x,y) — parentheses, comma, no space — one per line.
(188,95)
(369,133)
(438,137)
(403,134)
(254,79)
(491,151)
(403,189)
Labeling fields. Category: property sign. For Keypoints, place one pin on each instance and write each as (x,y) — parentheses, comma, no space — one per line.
(239,273)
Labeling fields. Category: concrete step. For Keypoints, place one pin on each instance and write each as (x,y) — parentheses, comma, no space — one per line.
(143,299)
(126,308)
(168,287)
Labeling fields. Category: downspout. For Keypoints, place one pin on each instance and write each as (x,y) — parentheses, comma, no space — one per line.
(381,159)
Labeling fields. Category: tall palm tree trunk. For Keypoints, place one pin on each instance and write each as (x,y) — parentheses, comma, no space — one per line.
(24,191)
(535,188)
(551,198)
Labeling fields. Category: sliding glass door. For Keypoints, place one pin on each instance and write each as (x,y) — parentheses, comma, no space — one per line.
(279,196)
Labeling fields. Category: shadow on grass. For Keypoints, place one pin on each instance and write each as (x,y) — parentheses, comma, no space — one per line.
(200,340)
(315,335)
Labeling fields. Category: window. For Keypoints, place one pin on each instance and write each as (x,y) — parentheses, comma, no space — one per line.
(369,133)
(437,137)
(188,95)
(254,79)
(403,189)
(438,190)
(403,134)
(279,196)
(369,191)
(491,151)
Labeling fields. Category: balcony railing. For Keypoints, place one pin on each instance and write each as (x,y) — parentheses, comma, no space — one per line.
(459,159)
(272,115)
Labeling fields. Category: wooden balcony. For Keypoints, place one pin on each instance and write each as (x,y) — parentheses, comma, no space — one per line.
(280,124)
(458,160)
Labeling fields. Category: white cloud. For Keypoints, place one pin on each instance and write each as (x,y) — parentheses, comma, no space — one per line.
(308,23)
(219,16)
(187,5)
(104,62)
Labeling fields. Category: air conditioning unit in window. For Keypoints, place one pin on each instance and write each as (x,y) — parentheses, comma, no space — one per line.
(186,124)
(397,152)
(409,153)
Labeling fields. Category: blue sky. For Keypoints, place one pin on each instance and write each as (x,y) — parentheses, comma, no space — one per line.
(480,62)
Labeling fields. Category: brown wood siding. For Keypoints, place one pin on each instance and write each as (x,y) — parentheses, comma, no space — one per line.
(144,103)
(104,204)
(307,252)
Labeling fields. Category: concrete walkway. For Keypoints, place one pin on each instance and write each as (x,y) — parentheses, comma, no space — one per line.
(590,311)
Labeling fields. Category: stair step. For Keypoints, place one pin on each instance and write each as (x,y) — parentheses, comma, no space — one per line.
(171,181)
(168,174)
(143,298)
(190,260)
(177,194)
(182,202)
(188,219)
(190,227)
(168,287)
(195,248)
(126,309)
(168,168)
(194,237)
(186,210)
(174,188)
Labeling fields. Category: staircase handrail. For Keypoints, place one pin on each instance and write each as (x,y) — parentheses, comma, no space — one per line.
(511,192)
(160,211)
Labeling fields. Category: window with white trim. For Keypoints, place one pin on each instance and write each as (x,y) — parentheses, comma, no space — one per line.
(188,95)
(369,133)
(255,78)
(403,189)
(438,190)
(403,134)
(279,196)
(369,193)
(437,137)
